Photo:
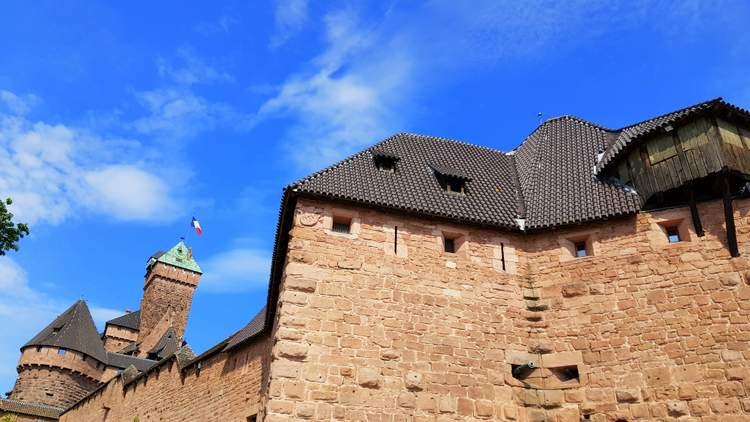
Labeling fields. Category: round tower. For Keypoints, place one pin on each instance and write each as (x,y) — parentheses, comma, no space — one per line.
(63,363)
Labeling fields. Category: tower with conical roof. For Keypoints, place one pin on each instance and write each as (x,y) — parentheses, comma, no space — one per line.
(63,363)
(171,279)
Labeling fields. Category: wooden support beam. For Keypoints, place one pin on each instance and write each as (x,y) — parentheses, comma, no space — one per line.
(729,216)
(694,213)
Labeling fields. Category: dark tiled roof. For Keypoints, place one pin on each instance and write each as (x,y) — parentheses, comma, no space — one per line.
(547,181)
(34,409)
(555,169)
(254,327)
(129,349)
(121,361)
(166,345)
(74,329)
(490,194)
(131,320)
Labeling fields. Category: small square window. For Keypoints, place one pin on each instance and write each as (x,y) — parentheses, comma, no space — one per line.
(342,225)
(38,348)
(673,234)
(580,248)
(454,186)
(449,245)
(61,352)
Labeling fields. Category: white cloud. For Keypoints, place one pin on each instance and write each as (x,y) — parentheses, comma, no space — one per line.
(290,17)
(346,101)
(178,113)
(24,311)
(236,270)
(127,192)
(187,68)
(52,171)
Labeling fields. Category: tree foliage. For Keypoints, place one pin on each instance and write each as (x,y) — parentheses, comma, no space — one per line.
(10,233)
(9,418)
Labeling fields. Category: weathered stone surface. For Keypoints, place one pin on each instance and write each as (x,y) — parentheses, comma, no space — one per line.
(369,378)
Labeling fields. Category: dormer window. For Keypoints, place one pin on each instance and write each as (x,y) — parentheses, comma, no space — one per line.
(451,180)
(385,161)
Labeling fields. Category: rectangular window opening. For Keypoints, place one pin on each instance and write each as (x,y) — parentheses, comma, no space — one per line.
(454,186)
(252,418)
(673,234)
(61,352)
(342,225)
(580,249)
(449,245)
(566,373)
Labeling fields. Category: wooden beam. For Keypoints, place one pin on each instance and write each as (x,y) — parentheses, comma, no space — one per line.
(729,215)
(694,213)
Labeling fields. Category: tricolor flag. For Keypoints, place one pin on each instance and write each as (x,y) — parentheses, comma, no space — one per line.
(197,226)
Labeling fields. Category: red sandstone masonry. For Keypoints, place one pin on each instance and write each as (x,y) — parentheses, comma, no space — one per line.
(658,331)
(168,291)
(225,387)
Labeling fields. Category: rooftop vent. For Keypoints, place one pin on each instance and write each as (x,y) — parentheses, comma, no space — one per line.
(451,180)
(385,161)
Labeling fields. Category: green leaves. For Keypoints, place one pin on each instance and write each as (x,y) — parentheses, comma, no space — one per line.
(10,233)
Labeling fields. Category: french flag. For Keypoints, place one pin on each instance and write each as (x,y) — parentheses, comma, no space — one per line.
(197,226)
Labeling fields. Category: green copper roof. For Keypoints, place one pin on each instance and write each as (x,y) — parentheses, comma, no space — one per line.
(179,256)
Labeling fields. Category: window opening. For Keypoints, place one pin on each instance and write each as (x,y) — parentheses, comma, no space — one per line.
(342,225)
(395,239)
(673,234)
(449,245)
(580,248)
(61,352)
(253,418)
(502,254)
(566,373)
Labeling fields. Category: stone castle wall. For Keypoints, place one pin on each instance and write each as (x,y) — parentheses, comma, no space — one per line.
(51,386)
(224,387)
(49,378)
(641,330)
(116,338)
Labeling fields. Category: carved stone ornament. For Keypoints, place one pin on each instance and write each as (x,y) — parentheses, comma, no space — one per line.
(308,219)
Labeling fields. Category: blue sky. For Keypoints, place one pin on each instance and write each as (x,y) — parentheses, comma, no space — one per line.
(118,122)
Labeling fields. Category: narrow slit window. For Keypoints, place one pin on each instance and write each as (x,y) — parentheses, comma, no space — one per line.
(395,239)
(673,234)
(502,255)
(342,225)
(580,249)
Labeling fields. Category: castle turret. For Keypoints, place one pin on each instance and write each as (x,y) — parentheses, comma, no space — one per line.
(171,279)
(63,363)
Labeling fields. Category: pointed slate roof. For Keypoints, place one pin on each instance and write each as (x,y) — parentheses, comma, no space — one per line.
(179,256)
(131,320)
(166,345)
(74,330)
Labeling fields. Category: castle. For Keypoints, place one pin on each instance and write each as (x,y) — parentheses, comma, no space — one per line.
(590,274)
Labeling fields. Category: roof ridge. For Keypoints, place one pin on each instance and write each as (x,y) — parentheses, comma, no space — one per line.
(453,140)
(578,119)
(717,99)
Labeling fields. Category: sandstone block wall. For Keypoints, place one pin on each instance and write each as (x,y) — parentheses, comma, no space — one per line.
(51,386)
(167,291)
(641,330)
(366,332)
(225,387)
(116,338)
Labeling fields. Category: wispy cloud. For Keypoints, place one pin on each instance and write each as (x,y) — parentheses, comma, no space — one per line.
(52,171)
(290,17)
(188,68)
(24,311)
(346,100)
(236,270)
